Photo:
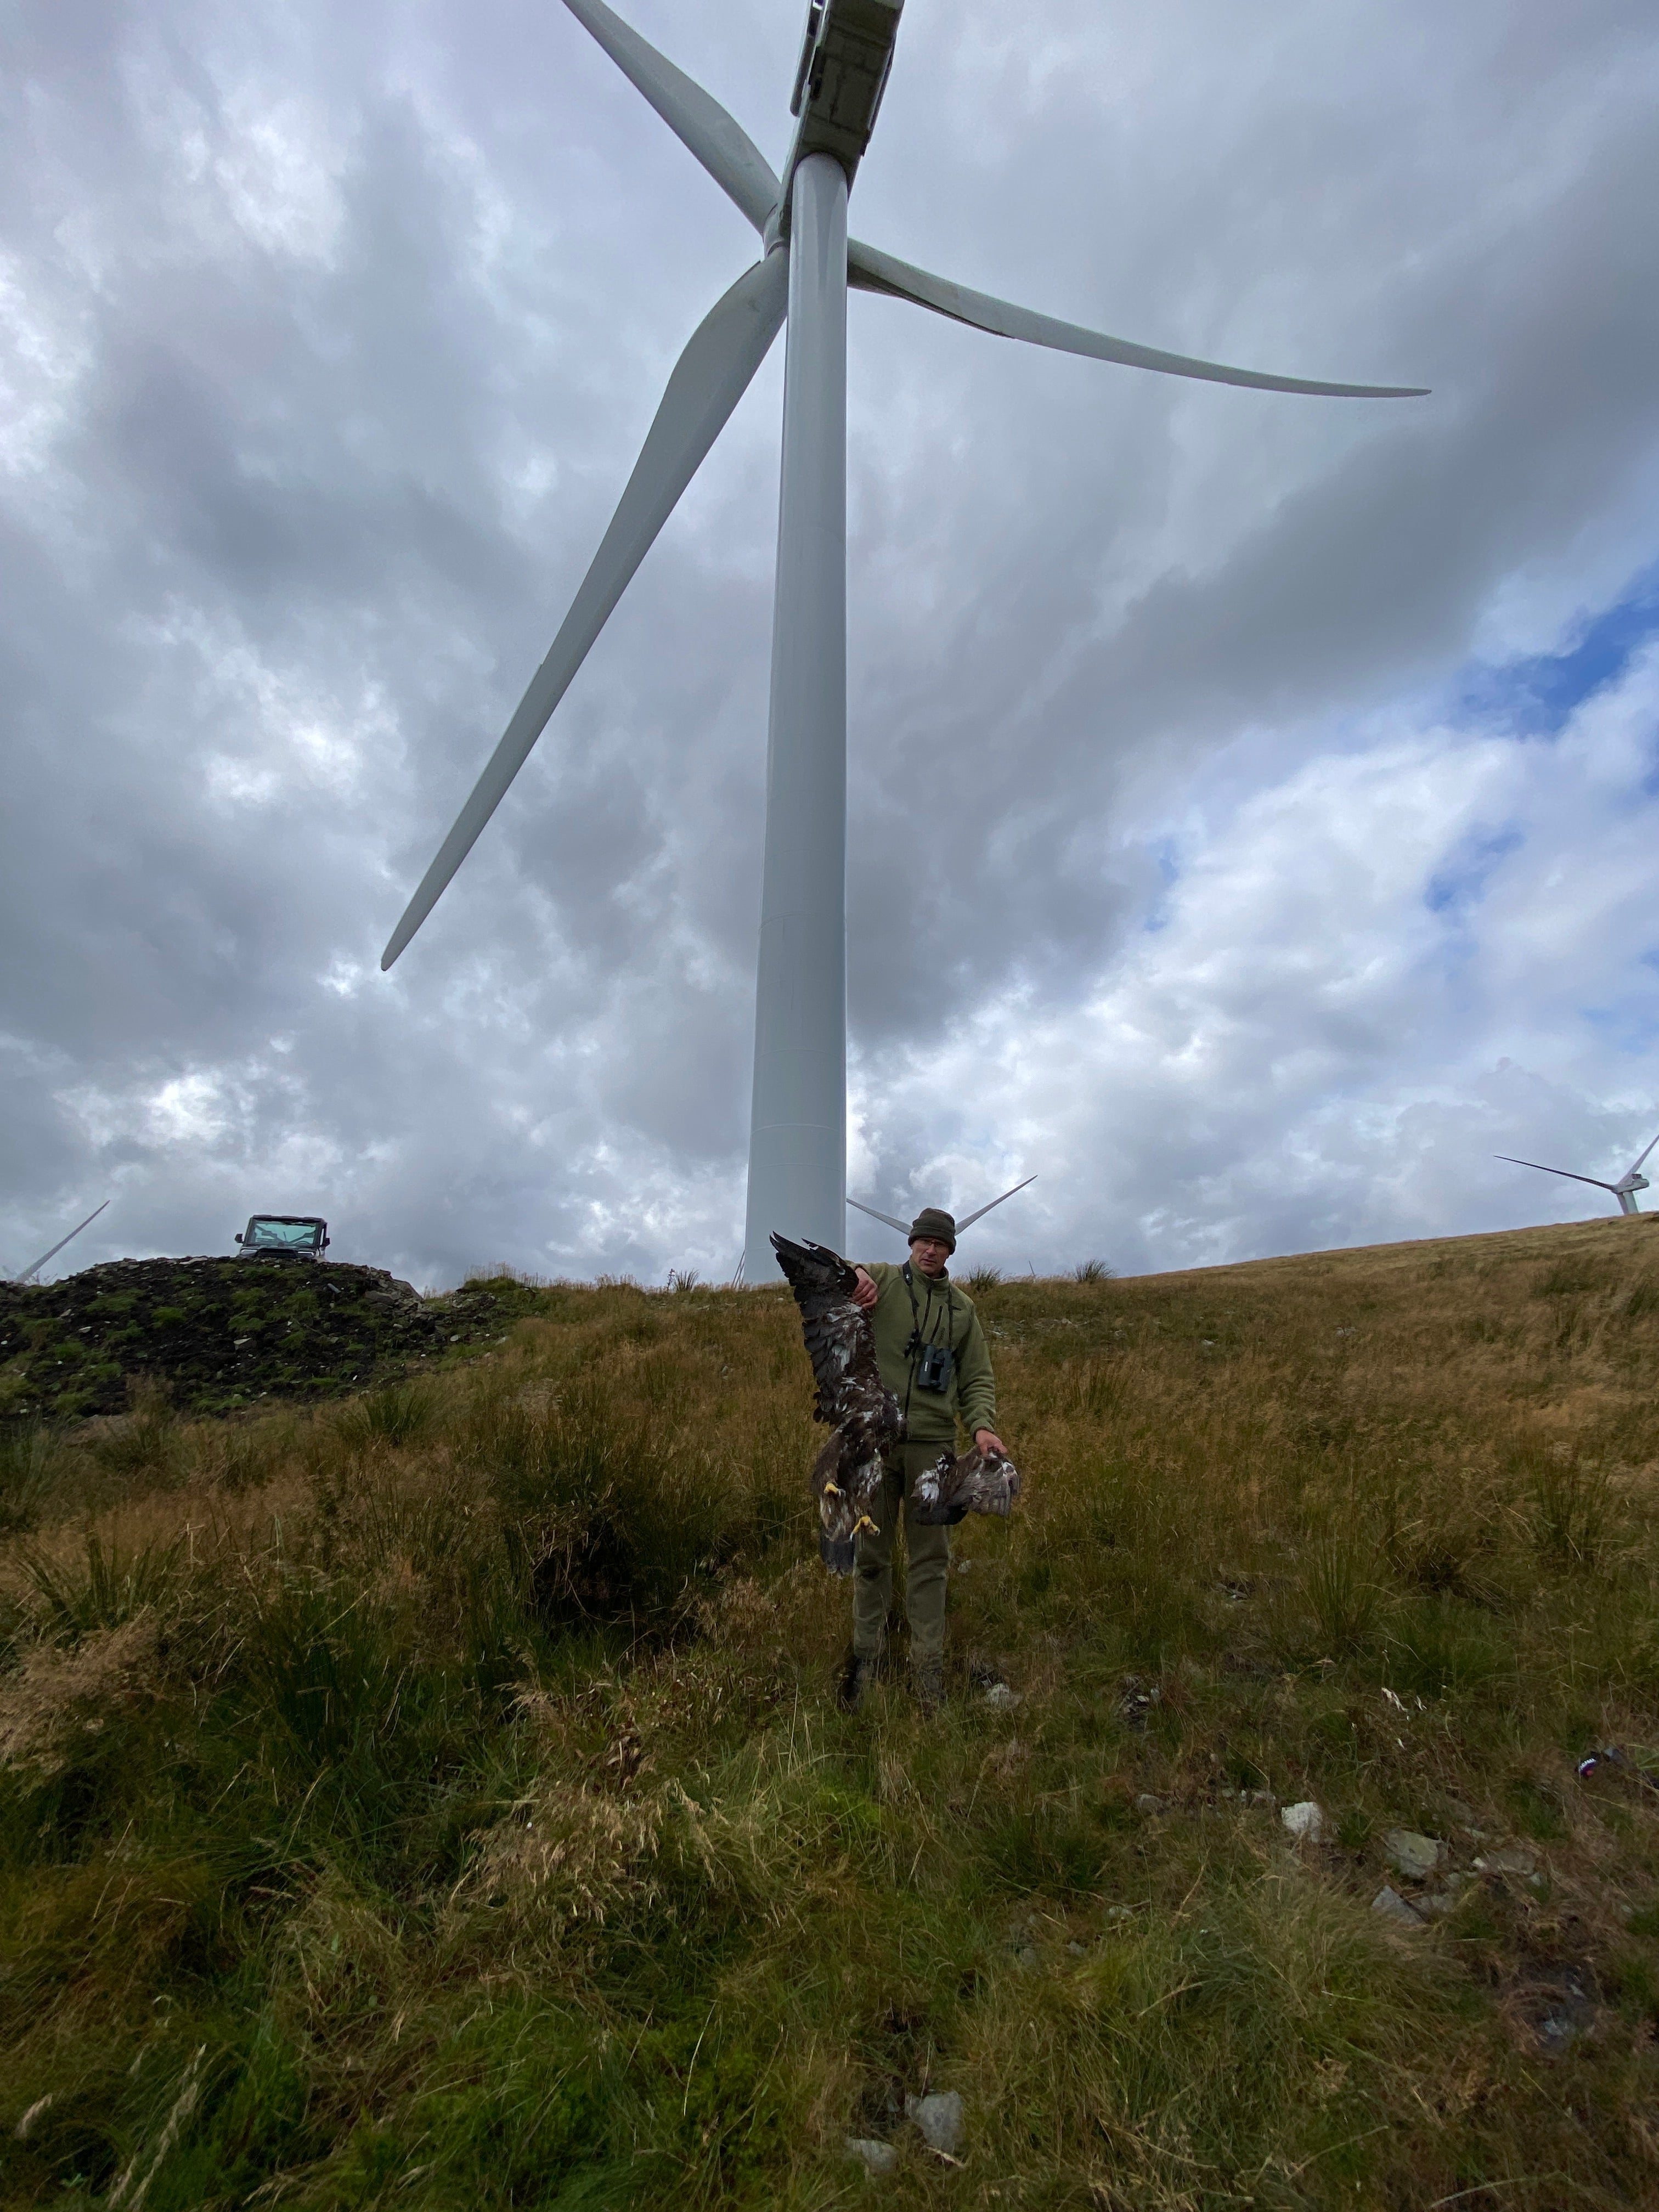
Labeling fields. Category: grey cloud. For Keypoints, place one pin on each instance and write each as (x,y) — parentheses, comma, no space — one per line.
(357,323)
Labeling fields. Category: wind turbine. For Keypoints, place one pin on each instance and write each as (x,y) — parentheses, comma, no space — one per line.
(798,1125)
(35,1269)
(1623,1190)
(966,1222)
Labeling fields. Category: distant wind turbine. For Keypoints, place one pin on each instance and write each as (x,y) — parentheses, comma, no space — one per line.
(32,1271)
(1623,1190)
(966,1222)
(798,1125)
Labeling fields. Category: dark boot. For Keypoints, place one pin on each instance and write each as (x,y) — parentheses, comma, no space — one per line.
(927,1679)
(856,1677)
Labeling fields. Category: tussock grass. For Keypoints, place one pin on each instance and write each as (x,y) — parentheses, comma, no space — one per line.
(439,1798)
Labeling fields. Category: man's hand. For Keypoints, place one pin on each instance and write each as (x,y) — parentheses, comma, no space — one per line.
(988,1441)
(863,1296)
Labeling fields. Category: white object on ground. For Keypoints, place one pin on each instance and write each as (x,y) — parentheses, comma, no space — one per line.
(940,2117)
(1414,1856)
(876,2157)
(1304,1823)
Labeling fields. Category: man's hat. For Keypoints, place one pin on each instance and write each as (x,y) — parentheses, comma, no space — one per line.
(931,1221)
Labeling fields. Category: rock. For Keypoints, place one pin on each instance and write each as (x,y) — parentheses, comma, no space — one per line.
(1303,1823)
(875,2157)
(1000,1698)
(1414,1856)
(1437,1904)
(1390,1903)
(940,2117)
(1078,1950)
(1507,1861)
(1150,1805)
(1263,1799)
(1136,1701)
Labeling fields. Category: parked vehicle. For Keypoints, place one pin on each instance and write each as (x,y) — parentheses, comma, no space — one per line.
(283,1236)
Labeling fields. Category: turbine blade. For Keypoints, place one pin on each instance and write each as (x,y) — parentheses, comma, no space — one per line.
(871,270)
(968,1220)
(1568,1172)
(1636,1163)
(696,118)
(58,1246)
(876,1214)
(710,377)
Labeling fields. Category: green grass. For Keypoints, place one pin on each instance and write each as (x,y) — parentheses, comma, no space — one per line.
(438,1799)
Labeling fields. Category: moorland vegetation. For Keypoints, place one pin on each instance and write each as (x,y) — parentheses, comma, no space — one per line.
(438,1797)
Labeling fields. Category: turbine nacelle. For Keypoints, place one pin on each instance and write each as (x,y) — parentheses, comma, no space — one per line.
(845,58)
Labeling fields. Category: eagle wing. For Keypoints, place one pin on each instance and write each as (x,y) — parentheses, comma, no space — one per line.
(852,1398)
(953,1487)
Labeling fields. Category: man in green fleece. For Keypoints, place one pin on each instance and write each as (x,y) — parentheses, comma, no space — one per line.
(916,1312)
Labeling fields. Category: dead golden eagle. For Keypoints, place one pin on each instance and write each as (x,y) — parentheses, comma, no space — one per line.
(851,1397)
(864,1415)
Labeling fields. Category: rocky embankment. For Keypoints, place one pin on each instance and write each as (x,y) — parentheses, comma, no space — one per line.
(222,1332)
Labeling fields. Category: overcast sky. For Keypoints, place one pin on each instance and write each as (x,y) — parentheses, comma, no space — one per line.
(1254,799)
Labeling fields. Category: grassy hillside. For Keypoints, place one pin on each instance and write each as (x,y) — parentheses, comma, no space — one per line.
(438,1798)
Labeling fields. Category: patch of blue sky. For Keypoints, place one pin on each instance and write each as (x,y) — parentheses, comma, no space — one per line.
(1165,856)
(1627,1026)
(1461,877)
(1534,696)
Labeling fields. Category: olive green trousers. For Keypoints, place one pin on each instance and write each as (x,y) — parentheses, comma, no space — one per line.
(927,1560)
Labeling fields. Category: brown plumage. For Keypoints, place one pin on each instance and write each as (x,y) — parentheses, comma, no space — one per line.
(953,1487)
(852,1397)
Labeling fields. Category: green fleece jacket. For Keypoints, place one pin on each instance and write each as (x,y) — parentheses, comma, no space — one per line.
(943,1316)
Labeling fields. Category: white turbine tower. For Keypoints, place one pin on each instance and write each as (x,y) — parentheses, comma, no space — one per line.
(798,1129)
(1623,1190)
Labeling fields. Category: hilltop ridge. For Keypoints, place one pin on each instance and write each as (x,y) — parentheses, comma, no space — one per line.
(438,1793)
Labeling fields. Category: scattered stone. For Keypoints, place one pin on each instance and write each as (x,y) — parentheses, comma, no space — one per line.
(1000,1698)
(940,2117)
(1263,1799)
(1135,1701)
(1437,1904)
(1150,1805)
(1507,1861)
(1416,1857)
(1078,1950)
(1303,1823)
(1390,1903)
(1119,1912)
(875,2157)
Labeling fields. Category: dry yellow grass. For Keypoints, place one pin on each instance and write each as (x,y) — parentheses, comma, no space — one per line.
(473,1795)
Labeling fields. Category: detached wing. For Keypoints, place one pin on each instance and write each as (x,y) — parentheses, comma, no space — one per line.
(952,1488)
(839,1341)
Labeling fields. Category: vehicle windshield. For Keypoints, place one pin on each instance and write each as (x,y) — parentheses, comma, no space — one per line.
(282,1236)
